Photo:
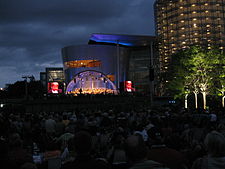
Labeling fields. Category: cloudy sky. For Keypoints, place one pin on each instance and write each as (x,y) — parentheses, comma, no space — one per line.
(32,32)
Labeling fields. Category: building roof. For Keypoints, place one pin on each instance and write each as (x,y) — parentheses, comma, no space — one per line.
(125,40)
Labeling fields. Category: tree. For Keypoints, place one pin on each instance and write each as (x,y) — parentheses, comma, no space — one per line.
(192,86)
(18,89)
(196,71)
(179,84)
(201,69)
(219,76)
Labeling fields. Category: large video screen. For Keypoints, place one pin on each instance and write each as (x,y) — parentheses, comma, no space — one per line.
(55,87)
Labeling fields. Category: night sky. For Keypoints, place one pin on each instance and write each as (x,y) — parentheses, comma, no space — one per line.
(32,32)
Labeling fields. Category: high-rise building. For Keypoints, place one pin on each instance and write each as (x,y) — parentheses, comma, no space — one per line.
(182,23)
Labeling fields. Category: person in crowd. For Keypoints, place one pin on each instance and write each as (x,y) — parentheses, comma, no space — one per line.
(215,159)
(213,117)
(50,125)
(83,158)
(159,152)
(59,127)
(17,156)
(221,128)
(29,166)
(137,151)
(3,151)
(65,120)
(64,142)
(116,155)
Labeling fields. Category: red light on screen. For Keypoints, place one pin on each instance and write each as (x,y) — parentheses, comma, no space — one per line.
(128,86)
(53,87)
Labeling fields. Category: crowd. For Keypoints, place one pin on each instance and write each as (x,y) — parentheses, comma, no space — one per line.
(163,137)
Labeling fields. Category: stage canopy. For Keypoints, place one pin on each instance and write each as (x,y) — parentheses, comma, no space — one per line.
(91,82)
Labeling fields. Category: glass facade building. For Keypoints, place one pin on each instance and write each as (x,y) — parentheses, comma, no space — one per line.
(94,68)
(108,62)
(182,23)
(139,67)
(142,57)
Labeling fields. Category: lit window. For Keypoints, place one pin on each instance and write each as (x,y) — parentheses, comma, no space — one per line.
(83,63)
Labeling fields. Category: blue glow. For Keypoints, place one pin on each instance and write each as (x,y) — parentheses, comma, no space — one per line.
(113,41)
(126,40)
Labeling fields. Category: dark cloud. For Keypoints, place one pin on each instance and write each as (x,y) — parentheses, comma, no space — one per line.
(34,31)
(59,11)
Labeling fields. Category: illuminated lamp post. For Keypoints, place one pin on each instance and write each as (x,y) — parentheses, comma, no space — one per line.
(151,75)
(118,64)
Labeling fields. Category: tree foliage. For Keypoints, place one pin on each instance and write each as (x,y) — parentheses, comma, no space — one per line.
(17,90)
(197,70)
